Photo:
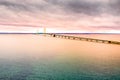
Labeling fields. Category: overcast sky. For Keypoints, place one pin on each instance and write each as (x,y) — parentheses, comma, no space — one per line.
(83,15)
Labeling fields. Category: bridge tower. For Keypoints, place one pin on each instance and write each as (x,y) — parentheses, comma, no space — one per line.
(44,31)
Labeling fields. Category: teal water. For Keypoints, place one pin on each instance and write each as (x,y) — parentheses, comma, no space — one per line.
(36,57)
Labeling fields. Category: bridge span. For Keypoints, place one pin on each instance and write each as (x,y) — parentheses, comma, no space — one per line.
(83,39)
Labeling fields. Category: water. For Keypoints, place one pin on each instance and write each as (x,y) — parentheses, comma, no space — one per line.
(36,57)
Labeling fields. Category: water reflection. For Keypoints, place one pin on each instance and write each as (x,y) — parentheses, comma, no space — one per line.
(35,57)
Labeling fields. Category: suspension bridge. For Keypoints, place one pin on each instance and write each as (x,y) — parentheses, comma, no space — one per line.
(80,38)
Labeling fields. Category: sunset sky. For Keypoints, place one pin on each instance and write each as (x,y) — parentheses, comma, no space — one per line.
(60,15)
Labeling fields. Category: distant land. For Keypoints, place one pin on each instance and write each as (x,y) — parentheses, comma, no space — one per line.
(52,33)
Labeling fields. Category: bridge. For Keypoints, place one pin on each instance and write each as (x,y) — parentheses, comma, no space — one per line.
(83,39)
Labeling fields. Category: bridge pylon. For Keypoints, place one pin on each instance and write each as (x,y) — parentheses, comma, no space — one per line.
(44,31)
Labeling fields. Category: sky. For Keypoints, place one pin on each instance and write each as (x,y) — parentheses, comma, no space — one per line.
(60,15)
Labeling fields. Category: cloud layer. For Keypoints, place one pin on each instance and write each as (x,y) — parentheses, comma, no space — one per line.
(64,14)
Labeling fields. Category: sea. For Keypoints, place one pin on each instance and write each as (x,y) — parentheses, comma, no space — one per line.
(41,57)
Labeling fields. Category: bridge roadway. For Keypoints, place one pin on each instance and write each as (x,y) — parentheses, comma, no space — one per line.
(84,39)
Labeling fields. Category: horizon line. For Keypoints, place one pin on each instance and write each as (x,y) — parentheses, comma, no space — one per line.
(51,33)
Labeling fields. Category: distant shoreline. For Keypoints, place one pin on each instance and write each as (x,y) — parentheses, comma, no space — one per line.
(60,33)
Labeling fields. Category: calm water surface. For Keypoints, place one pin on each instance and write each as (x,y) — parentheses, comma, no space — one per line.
(36,57)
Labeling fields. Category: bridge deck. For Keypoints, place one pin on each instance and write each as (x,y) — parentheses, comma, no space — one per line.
(84,39)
